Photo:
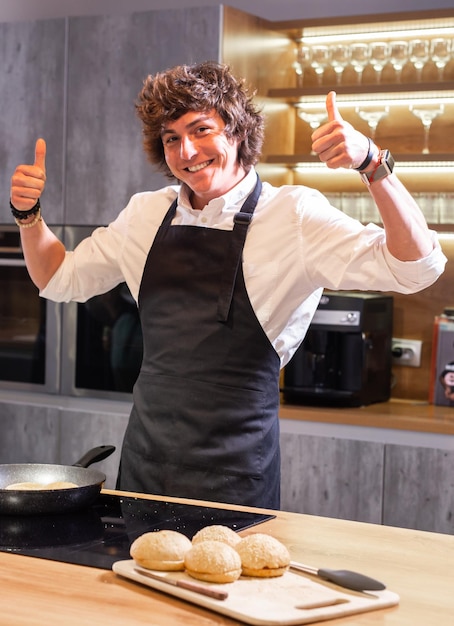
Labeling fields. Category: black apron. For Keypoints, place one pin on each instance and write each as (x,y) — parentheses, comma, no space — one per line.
(204,423)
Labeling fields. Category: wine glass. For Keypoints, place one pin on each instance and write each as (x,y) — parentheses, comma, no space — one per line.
(339,57)
(359,58)
(419,55)
(379,57)
(372,116)
(320,61)
(427,114)
(440,52)
(301,62)
(313,118)
(398,56)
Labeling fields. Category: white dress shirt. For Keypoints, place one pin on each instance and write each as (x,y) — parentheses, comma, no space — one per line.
(297,244)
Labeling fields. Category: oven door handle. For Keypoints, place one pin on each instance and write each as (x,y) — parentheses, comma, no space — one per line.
(12,263)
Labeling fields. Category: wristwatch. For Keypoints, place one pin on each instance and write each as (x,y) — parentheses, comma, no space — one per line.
(384,168)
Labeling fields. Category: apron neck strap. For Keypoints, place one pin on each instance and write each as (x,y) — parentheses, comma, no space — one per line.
(241,221)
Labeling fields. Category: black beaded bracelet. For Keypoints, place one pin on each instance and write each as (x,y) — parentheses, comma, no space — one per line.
(368,159)
(22,215)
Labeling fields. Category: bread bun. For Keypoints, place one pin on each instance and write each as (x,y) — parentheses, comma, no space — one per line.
(161,550)
(217,532)
(213,561)
(263,556)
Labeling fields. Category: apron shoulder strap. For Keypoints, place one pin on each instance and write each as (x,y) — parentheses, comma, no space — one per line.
(241,221)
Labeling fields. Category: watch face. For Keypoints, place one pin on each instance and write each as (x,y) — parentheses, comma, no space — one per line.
(384,169)
(387,159)
(390,161)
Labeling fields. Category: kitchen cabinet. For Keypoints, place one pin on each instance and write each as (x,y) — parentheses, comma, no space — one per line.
(85,426)
(51,429)
(32,79)
(287,157)
(382,483)
(419,488)
(332,477)
(29,433)
(389,463)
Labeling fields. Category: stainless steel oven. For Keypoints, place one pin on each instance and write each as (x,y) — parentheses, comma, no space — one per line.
(91,349)
(29,325)
(101,339)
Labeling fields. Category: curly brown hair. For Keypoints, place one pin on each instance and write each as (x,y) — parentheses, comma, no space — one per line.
(201,87)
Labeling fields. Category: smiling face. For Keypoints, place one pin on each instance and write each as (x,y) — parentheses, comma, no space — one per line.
(199,153)
(449,379)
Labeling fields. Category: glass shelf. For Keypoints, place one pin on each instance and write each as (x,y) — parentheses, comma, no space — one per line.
(410,161)
(392,91)
(287,158)
(406,24)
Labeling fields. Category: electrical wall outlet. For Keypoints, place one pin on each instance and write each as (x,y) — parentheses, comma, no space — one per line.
(406,352)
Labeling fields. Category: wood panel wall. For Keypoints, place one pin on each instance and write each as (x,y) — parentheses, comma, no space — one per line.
(414,319)
(265,57)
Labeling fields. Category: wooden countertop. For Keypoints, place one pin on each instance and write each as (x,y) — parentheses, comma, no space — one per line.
(396,414)
(416,565)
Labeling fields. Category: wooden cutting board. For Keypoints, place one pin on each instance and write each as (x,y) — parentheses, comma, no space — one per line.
(291,599)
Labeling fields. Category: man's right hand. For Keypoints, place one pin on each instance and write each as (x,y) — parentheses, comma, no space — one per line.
(28,181)
(43,251)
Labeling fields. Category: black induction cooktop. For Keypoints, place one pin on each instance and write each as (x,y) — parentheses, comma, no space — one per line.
(102,534)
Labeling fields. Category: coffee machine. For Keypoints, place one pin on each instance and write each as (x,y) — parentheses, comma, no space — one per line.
(345,358)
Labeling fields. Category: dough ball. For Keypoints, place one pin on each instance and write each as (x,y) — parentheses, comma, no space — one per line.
(217,532)
(161,550)
(263,556)
(213,561)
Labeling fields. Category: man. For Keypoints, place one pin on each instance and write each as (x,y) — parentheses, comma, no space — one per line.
(227,274)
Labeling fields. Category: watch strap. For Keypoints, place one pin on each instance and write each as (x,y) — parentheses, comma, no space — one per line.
(384,167)
(369,157)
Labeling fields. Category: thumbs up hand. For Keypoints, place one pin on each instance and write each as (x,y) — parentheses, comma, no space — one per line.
(331,107)
(337,143)
(40,155)
(28,181)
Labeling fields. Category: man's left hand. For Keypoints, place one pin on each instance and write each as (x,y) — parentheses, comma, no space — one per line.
(337,143)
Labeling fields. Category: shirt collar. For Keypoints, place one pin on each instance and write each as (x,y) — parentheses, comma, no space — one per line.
(230,200)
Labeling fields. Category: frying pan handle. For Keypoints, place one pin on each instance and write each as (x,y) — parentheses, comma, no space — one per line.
(94,455)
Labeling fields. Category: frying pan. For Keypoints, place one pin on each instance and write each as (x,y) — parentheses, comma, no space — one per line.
(30,502)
